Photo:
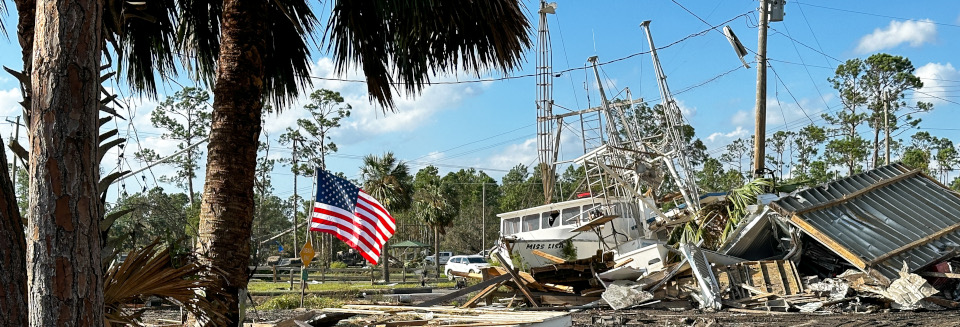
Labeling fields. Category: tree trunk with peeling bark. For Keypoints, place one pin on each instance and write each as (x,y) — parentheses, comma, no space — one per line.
(13,263)
(63,234)
(226,212)
(13,246)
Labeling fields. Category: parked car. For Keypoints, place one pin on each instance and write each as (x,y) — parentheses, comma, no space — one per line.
(466,264)
(444,257)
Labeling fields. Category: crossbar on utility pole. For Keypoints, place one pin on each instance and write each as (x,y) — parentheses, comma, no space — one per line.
(760,132)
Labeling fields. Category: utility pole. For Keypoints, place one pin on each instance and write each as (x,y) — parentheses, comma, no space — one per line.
(760,132)
(483,217)
(886,125)
(296,205)
(16,135)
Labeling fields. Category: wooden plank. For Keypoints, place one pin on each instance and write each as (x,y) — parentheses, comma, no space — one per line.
(473,301)
(567,299)
(938,274)
(840,250)
(621,263)
(464,291)
(776,281)
(595,223)
(548,256)
(406,323)
(761,311)
(519,281)
(791,277)
(914,244)
(757,290)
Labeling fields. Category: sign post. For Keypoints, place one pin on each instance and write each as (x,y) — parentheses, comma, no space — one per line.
(306,255)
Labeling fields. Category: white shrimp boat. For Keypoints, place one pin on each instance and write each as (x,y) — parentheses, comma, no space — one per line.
(617,212)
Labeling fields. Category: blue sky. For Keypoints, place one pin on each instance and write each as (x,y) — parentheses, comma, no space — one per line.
(490,125)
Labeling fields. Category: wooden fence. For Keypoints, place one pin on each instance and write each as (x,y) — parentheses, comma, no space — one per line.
(292,274)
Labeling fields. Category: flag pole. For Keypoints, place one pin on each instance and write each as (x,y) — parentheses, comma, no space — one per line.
(307,241)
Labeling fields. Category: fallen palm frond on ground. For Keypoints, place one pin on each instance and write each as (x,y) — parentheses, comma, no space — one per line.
(715,221)
(149,272)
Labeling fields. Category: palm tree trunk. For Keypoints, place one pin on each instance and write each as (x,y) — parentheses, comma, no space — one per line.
(226,210)
(63,251)
(13,249)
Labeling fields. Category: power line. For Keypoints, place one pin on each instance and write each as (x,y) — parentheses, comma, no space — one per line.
(815,87)
(872,14)
(504,78)
(810,27)
(936,97)
(790,93)
(805,45)
(481,140)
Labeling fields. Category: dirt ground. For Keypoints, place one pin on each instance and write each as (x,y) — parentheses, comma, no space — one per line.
(662,317)
(653,317)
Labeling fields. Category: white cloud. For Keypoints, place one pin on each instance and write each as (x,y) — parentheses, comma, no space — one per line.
(913,32)
(368,120)
(933,76)
(741,117)
(522,153)
(10,102)
(687,111)
(735,134)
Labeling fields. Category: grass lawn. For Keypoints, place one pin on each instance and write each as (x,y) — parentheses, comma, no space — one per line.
(271,287)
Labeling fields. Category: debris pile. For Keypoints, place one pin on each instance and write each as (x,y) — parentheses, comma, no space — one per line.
(885,239)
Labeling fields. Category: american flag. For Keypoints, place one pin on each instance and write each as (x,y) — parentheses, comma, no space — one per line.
(347,212)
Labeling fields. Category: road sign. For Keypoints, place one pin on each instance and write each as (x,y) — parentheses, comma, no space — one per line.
(307,254)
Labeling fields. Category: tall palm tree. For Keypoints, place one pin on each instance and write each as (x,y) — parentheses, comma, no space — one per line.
(388,180)
(262,54)
(432,204)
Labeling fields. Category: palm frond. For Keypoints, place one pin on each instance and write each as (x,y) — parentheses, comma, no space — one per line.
(198,37)
(404,42)
(714,222)
(142,35)
(287,57)
(149,272)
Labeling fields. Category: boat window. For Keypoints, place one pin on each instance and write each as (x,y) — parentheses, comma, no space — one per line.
(511,226)
(569,215)
(531,222)
(545,220)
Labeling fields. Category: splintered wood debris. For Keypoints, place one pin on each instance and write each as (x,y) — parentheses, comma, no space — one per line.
(379,315)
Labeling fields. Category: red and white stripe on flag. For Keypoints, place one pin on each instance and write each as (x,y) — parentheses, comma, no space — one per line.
(366,229)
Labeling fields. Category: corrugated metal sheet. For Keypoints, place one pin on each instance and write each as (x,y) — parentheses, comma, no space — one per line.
(879,219)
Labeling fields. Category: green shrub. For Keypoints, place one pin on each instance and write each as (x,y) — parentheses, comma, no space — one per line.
(569,251)
(292,301)
(338,265)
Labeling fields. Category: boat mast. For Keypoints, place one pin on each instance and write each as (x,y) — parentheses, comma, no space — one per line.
(673,123)
(547,151)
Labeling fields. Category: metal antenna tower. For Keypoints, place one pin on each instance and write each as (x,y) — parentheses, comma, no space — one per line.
(675,147)
(546,127)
